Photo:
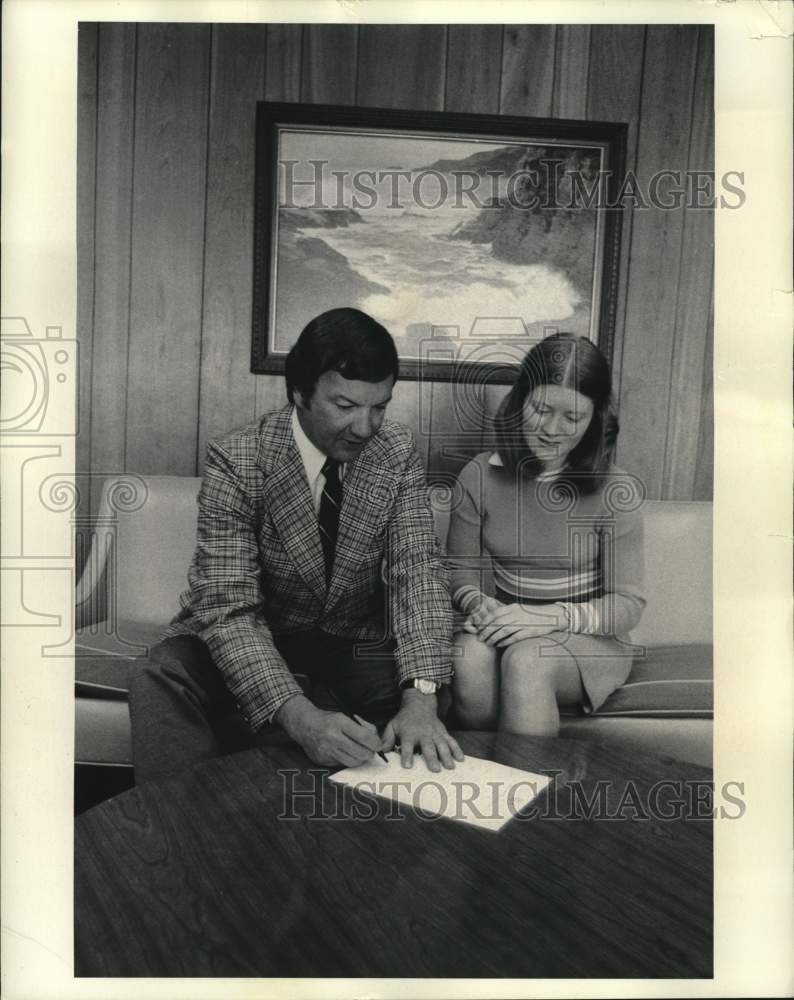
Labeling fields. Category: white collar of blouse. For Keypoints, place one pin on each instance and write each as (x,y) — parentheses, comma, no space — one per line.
(496,460)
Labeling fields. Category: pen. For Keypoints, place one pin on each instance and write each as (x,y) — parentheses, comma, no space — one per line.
(355,718)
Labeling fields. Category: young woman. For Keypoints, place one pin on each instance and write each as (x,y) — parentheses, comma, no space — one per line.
(558,530)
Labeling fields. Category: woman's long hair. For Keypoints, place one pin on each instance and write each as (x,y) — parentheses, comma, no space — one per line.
(575,363)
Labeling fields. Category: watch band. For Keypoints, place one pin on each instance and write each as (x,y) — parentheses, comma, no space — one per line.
(421,684)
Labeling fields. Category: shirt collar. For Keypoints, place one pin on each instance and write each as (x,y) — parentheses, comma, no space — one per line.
(496,460)
(311,456)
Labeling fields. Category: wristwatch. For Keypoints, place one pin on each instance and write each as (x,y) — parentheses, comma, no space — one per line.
(421,684)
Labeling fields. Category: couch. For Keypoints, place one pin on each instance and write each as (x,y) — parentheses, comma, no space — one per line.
(142,543)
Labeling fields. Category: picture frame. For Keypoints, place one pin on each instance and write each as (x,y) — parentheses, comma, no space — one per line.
(470,237)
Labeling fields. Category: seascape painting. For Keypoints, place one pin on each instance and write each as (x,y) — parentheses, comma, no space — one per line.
(465,247)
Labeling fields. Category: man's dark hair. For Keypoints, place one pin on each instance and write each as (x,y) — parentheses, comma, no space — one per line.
(576,363)
(340,340)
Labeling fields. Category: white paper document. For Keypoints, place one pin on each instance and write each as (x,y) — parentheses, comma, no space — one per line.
(480,792)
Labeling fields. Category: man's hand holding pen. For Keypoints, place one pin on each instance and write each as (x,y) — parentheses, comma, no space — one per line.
(328,737)
(341,738)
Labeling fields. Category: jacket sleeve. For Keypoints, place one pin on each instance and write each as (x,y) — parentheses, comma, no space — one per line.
(421,612)
(469,562)
(223,604)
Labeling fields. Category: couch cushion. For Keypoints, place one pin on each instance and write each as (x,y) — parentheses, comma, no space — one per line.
(668,681)
(108,659)
(155,543)
(105,671)
(102,728)
(130,639)
(678,558)
(103,661)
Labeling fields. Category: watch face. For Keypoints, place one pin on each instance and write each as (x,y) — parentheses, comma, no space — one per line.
(425,686)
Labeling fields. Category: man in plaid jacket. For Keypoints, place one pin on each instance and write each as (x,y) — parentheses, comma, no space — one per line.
(291,578)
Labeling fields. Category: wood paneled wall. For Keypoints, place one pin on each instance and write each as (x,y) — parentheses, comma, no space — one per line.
(165,219)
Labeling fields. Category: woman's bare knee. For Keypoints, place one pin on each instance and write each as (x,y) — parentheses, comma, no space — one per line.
(522,657)
(475,683)
(474,663)
(468,649)
(531,666)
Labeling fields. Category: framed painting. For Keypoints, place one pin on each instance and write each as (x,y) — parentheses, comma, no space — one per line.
(468,236)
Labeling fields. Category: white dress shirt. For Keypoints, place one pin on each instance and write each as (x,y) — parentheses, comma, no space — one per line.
(313,461)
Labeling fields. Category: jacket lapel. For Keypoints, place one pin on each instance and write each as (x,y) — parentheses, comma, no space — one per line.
(289,502)
(368,490)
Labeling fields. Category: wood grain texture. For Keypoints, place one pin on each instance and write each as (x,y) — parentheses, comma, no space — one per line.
(458,413)
(615,76)
(167,247)
(87,45)
(494,395)
(231,868)
(228,389)
(406,408)
(328,71)
(695,284)
(283,67)
(614,89)
(474,58)
(401,66)
(571,70)
(528,70)
(663,142)
(283,73)
(114,193)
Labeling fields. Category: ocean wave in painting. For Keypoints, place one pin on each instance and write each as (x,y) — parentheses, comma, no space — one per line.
(415,268)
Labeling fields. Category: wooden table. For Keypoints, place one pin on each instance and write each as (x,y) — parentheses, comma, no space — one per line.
(198,875)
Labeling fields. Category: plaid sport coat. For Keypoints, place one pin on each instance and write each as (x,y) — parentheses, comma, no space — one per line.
(258,569)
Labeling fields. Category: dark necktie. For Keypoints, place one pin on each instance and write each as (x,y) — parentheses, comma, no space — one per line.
(330,502)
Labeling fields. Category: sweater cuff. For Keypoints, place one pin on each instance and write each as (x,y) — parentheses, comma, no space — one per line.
(584,618)
(466,598)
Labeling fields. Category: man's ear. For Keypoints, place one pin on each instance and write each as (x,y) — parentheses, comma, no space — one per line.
(298,399)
